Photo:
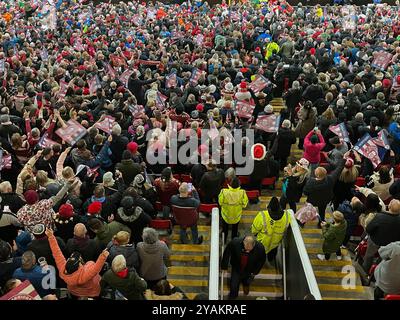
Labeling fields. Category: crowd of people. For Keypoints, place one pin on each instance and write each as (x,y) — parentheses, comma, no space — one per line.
(81,196)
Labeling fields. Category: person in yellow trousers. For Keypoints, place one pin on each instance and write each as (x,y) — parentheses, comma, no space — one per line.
(232,201)
(270,226)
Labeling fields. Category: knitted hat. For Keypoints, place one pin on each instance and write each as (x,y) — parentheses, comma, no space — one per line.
(66,211)
(304,163)
(386,83)
(132,147)
(243,85)
(200,107)
(94,208)
(31,197)
(314,139)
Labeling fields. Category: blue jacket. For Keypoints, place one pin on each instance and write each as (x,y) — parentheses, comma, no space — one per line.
(35,277)
(394,131)
(349,215)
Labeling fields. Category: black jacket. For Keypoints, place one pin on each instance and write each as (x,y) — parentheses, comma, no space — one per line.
(264,169)
(232,254)
(117,146)
(88,248)
(284,141)
(294,189)
(211,182)
(129,170)
(320,192)
(136,220)
(41,248)
(14,201)
(384,228)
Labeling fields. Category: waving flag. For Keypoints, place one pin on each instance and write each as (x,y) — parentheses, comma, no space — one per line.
(137,110)
(46,142)
(94,84)
(44,55)
(124,77)
(2,65)
(268,123)
(5,160)
(72,132)
(368,149)
(259,84)
(63,89)
(196,74)
(106,125)
(78,46)
(341,131)
(160,101)
(111,71)
(382,60)
(382,139)
(170,80)
(244,109)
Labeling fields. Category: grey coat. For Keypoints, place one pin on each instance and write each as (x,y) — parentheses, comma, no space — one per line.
(153,258)
(387,274)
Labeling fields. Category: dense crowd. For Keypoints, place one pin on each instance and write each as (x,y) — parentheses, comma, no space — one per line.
(85,206)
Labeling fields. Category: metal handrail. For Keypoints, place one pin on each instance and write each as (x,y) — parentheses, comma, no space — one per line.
(221,297)
(213,281)
(305,260)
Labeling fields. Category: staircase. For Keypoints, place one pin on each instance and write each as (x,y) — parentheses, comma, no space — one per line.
(189,262)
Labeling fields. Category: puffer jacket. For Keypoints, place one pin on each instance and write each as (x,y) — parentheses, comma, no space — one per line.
(85,282)
(136,220)
(128,251)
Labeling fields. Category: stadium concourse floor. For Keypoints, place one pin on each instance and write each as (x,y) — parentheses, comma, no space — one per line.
(189,263)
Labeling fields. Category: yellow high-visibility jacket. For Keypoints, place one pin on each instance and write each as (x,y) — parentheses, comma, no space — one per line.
(232,202)
(270,48)
(270,232)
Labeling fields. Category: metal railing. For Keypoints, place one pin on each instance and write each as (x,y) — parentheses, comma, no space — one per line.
(213,280)
(298,275)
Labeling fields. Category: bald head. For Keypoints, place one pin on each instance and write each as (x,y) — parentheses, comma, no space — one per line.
(320,173)
(249,243)
(394,206)
(80,230)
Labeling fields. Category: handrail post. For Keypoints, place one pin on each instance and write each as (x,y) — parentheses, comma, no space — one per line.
(213,280)
(284,266)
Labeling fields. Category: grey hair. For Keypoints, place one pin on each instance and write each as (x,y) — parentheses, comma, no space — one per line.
(250,239)
(150,235)
(296,85)
(28,259)
(230,173)
(286,123)
(116,130)
(118,264)
(359,116)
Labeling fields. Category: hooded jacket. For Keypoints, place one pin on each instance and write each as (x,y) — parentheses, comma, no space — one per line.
(387,274)
(333,236)
(85,282)
(136,220)
(104,236)
(131,287)
(232,202)
(128,251)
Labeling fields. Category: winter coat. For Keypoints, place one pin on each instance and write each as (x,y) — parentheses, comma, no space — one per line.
(307,120)
(294,189)
(320,192)
(108,231)
(136,221)
(88,248)
(166,190)
(284,141)
(153,258)
(387,273)
(312,152)
(128,251)
(211,183)
(232,254)
(333,236)
(131,287)
(85,282)
(384,228)
(129,170)
(381,189)
(350,216)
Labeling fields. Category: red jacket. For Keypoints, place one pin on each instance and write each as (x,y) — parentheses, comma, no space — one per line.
(312,151)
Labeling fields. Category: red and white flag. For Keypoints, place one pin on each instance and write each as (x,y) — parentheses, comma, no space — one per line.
(111,71)
(259,84)
(341,131)
(106,125)
(94,84)
(137,111)
(244,109)
(63,89)
(73,132)
(160,101)
(46,142)
(25,291)
(367,147)
(124,77)
(78,46)
(170,80)
(268,123)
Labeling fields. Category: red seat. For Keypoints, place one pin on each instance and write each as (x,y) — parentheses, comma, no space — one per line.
(158,206)
(244,180)
(185,216)
(360,182)
(253,194)
(387,201)
(159,224)
(392,297)
(186,178)
(268,181)
(397,171)
(207,207)
(177,176)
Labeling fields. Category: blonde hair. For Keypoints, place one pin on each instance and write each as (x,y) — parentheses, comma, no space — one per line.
(122,238)
(338,217)
(329,114)
(4,186)
(68,173)
(349,175)
(41,178)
